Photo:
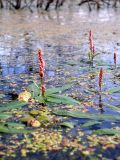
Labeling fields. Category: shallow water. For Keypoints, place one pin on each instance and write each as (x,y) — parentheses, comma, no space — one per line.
(59,33)
(63,35)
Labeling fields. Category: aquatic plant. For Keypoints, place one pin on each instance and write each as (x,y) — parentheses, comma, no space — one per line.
(11,127)
(41,70)
(91,41)
(50,95)
(91,54)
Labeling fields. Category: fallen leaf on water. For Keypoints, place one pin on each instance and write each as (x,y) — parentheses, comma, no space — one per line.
(24,96)
(34,123)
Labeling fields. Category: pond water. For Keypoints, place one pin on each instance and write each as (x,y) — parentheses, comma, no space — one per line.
(58,33)
(64,37)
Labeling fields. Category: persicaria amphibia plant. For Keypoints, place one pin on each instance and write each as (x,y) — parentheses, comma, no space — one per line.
(41,70)
(100,78)
(92,47)
(91,41)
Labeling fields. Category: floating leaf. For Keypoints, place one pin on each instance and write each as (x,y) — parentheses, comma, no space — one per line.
(67,124)
(83,68)
(78,114)
(117,109)
(61,99)
(71,62)
(4,116)
(2,95)
(14,125)
(56,90)
(24,96)
(107,131)
(43,118)
(12,105)
(27,118)
(113,90)
(5,129)
(89,124)
(101,63)
(35,112)
(34,89)
(40,99)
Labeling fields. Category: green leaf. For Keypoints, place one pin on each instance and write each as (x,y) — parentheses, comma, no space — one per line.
(117,109)
(83,68)
(107,131)
(40,99)
(113,90)
(71,62)
(78,114)
(62,99)
(12,105)
(34,89)
(56,90)
(2,95)
(5,129)
(14,125)
(101,63)
(4,116)
(89,124)
(67,124)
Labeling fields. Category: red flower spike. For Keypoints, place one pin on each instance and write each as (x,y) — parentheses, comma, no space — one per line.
(41,70)
(43,64)
(40,52)
(115,57)
(100,78)
(41,74)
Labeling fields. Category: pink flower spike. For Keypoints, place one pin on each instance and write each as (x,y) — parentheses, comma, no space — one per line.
(40,52)
(100,78)
(43,64)
(91,40)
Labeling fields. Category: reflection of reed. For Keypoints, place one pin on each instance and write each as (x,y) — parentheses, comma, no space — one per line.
(100,104)
(100,79)
(115,57)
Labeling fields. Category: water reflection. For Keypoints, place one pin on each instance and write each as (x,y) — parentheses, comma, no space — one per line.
(101,104)
(59,33)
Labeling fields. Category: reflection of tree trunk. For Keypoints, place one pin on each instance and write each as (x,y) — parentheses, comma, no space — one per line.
(1,4)
(18,4)
(48,4)
(39,3)
(59,3)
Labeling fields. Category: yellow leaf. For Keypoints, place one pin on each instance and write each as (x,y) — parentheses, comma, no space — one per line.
(24,96)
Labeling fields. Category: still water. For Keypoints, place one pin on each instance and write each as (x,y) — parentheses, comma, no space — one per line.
(62,34)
